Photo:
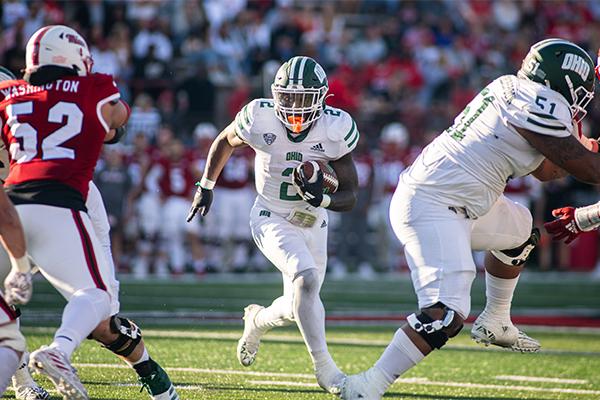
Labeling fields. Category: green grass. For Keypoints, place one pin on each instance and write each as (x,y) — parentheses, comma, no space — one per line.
(573,356)
(462,370)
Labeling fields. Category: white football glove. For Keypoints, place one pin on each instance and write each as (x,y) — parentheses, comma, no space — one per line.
(18,287)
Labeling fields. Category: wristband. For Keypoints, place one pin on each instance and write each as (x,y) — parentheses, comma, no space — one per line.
(21,264)
(326,201)
(588,218)
(206,183)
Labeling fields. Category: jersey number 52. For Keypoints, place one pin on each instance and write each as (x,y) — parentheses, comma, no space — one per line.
(51,148)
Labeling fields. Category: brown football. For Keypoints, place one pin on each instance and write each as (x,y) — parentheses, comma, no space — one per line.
(330,179)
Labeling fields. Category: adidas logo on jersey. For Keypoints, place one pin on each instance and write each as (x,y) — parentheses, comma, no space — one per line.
(576,64)
(318,147)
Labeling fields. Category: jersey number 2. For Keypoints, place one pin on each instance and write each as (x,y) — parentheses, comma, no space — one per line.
(51,148)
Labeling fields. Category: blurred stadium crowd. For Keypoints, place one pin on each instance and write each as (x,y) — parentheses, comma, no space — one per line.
(403,69)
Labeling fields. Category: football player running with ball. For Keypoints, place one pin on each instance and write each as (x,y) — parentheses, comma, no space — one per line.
(450,202)
(289,217)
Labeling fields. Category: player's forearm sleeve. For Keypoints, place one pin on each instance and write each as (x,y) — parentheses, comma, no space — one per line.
(588,218)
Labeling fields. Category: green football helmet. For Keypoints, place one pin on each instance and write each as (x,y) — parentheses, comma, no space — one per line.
(6,74)
(299,92)
(564,67)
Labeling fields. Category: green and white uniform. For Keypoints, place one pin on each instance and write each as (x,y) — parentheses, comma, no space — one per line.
(290,246)
(450,202)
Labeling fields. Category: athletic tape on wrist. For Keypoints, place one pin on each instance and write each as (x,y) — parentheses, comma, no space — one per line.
(207,184)
(588,218)
(21,264)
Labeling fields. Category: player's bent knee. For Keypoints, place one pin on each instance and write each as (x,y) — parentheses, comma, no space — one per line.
(128,335)
(519,255)
(11,337)
(436,324)
(307,281)
(97,300)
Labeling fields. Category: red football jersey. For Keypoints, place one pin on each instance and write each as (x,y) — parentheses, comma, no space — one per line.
(237,172)
(176,178)
(55,132)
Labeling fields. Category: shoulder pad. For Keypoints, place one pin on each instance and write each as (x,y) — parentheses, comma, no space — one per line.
(250,114)
(341,127)
(540,109)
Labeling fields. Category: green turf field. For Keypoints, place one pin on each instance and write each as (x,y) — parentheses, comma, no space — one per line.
(200,355)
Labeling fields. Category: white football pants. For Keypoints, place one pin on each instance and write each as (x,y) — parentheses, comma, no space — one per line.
(438,244)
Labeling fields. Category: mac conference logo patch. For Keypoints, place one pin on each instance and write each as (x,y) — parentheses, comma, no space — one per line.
(269,138)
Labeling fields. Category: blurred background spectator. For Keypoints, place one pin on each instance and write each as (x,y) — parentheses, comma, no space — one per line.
(403,69)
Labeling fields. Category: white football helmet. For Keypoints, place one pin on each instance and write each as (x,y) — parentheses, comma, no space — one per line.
(205,130)
(395,133)
(60,46)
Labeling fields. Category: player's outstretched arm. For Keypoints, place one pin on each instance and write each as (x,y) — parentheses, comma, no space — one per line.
(570,222)
(344,198)
(18,282)
(220,151)
(567,153)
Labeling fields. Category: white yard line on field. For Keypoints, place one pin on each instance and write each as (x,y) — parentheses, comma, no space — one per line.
(284,383)
(179,387)
(425,382)
(520,378)
(207,371)
(413,381)
(215,335)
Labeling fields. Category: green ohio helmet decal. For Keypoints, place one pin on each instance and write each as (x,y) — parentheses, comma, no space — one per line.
(563,67)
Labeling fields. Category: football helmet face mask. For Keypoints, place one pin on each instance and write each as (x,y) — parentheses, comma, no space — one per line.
(299,92)
(564,67)
(58,45)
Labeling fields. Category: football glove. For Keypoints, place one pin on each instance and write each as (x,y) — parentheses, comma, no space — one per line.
(201,203)
(18,287)
(564,226)
(312,193)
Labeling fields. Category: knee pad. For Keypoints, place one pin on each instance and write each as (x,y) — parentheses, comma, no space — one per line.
(129,336)
(436,332)
(518,256)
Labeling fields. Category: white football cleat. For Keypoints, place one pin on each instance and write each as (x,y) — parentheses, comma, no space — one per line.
(330,380)
(360,387)
(31,393)
(24,385)
(55,365)
(247,347)
(488,331)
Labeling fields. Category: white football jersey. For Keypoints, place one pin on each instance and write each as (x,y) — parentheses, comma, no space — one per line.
(469,164)
(278,152)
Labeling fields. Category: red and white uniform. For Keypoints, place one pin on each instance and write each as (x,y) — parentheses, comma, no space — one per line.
(54,134)
(176,183)
(149,213)
(7,313)
(229,217)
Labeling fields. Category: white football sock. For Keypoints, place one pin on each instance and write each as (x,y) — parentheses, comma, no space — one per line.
(279,313)
(310,318)
(145,357)
(399,356)
(82,314)
(499,294)
(9,361)
(22,376)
